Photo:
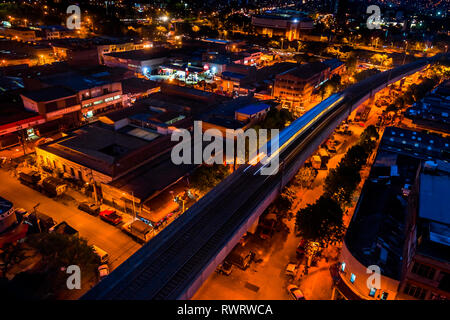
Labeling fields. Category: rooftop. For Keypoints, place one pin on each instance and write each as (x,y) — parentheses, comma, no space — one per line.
(433,224)
(152,178)
(140,55)
(307,70)
(376,233)
(253,108)
(138,85)
(49,94)
(433,203)
(74,81)
(96,146)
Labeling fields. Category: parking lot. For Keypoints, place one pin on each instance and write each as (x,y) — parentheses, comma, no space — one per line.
(112,239)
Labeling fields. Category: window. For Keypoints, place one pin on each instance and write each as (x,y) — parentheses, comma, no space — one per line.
(384,295)
(343,266)
(372,292)
(423,270)
(352,278)
(416,292)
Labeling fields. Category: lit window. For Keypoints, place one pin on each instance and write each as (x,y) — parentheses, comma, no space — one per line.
(352,278)
(343,266)
(372,292)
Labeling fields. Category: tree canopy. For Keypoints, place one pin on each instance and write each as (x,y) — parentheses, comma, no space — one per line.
(321,221)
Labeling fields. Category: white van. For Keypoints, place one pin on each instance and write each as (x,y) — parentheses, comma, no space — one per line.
(102,254)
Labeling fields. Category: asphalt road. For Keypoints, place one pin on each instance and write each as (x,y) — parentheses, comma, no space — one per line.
(111,239)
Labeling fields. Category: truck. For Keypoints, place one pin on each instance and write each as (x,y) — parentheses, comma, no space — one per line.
(138,230)
(267,226)
(64,228)
(53,186)
(29,178)
(316,162)
(240,257)
(324,155)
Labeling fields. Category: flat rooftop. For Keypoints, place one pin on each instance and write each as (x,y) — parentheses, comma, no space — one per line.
(152,178)
(140,55)
(254,108)
(95,146)
(376,234)
(49,94)
(433,203)
(138,85)
(307,70)
(74,81)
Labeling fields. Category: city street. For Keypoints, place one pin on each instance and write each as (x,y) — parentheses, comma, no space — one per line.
(109,238)
(267,280)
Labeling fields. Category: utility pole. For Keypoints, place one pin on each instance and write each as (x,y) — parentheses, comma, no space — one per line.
(95,187)
(134,208)
(404,57)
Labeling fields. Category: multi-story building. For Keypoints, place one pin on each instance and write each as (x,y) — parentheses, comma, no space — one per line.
(58,105)
(96,96)
(400,226)
(288,24)
(426,267)
(296,85)
(19,33)
(140,61)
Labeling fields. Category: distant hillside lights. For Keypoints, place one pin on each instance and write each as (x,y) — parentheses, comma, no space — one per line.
(74,20)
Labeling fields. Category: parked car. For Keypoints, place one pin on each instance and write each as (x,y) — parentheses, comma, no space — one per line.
(291,269)
(111,217)
(139,230)
(225,268)
(102,254)
(295,293)
(53,186)
(240,257)
(90,208)
(64,228)
(103,271)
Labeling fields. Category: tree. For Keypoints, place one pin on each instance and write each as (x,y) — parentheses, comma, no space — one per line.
(59,251)
(368,139)
(304,177)
(341,182)
(48,278)
(206,177)
(283,203)
(11,254)
(321,221)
